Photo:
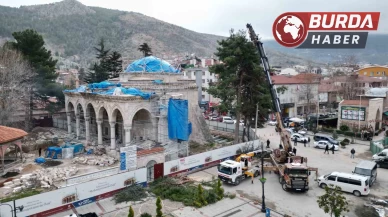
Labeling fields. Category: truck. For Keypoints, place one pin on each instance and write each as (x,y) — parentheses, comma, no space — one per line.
(234,171)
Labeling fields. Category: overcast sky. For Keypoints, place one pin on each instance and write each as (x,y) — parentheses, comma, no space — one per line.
(219,16)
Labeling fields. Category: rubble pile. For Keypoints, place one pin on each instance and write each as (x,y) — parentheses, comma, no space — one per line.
(17,185)
(41,137)
(103,160)
(380,205)
(48,176)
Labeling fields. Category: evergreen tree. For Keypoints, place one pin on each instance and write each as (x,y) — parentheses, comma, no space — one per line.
(145,49)
(115,64)
(31,45)
(159,208)
(240,83)
(131,212)
(219,190)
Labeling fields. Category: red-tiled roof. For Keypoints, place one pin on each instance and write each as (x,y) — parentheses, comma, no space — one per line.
(355,102)
(325,87)
(9,134)
(358,78)
(150,151)
(282,79)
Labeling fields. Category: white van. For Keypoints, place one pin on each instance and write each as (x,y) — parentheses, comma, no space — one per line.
(355,184)
(382,155)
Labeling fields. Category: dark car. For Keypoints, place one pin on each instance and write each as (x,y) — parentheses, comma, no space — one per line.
(382,163)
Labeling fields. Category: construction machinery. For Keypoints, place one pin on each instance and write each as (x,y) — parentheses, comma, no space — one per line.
(293,170)
(234,171)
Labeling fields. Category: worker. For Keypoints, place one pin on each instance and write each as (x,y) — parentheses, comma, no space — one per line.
(280,146)
(40,152)
(268,143)
(295,142)
(304,142)
(352,152)
(252,179)
(326,149)
(294,151)
(332,148)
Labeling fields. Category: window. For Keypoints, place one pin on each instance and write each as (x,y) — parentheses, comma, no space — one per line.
(372,74)
(343,180)
(203,81)
(354,182)
(203,73)
(207,80)
(106,131)
(332,178)
(203,96)
(235,170)
(211,80)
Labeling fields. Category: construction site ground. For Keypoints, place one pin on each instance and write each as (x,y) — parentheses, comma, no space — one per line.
(305,204)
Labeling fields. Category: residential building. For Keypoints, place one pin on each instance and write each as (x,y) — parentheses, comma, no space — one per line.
(207,79)
(301,94)
(380,72)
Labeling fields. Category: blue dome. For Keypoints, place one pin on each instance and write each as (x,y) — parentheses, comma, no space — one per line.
(151,64)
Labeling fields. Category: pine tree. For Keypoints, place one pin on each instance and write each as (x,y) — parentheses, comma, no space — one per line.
(31,45)
(131,212)
(201,199)
(241,81)
(115,64)
(145,49)
(219,190)
(159,207)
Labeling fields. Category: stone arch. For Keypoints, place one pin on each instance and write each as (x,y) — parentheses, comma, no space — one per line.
(80,117)
(103,116)
(142,125)
(378,117)
(69,106)
(91,116)
(150,170)
(118,119)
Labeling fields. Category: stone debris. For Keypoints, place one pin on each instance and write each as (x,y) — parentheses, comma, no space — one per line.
(103,160)
(17,185)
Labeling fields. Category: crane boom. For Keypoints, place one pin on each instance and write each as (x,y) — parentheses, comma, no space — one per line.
(280,154)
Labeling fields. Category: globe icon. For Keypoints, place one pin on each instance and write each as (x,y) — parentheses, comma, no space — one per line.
(289,30)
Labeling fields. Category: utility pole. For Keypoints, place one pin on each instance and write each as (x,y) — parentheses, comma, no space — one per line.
(359,117)
(262,180)
(257,111)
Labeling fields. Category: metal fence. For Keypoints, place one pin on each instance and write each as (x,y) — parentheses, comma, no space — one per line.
(232,130)
(378,146)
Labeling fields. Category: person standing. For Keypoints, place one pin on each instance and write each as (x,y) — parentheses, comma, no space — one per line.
(40,152)
(296,142)
(326,149)
(294,151)
(268,142)
(352,152)
(304,142)
(332,148)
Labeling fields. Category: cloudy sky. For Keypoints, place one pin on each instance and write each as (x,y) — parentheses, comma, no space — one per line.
(219,16)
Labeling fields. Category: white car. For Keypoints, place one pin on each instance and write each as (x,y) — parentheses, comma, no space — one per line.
(322,144)
(241,122)
(227,120)
(213,118)
(272,123)
(382,155)
(298,137)
(291,130)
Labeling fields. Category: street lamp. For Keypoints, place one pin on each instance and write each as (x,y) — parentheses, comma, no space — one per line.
(262,180)
(9,206)
(14,208)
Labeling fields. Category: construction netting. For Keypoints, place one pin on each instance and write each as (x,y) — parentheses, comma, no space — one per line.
(178,120)
(151,64)
(103,85)
(125,91)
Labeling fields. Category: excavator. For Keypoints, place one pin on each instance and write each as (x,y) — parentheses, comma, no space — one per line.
(293,170)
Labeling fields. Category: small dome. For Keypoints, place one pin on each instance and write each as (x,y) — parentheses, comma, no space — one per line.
(151,64)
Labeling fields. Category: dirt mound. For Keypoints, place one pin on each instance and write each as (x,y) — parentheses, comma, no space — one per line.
(30,168)
(51,163)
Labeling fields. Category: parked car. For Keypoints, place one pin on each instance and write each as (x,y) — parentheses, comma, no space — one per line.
(352,183)
(368,169)
(272,123)
(382,155)
(226,119)
(320,137)
(323,143)
(382,163)
(291,130)
(298,137)
(213,117)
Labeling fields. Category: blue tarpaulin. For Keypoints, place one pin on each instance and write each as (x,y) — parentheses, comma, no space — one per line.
(178,119)
(158,81)
(40,160)
(103,84)
(128,91)
(81,89)
(151,64)
(53,152)
(78,148)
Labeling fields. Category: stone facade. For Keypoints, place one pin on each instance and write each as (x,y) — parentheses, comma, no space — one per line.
(120,119)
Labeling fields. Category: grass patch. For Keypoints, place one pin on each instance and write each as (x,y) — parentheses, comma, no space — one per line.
(23,194)
(187,193)
(130,193)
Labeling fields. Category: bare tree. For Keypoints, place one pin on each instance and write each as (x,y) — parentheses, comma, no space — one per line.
(351,62)
(308,90)
(15,74)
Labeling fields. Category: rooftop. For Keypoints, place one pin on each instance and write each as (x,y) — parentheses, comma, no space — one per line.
(151,64)
(9,134)
(297,79)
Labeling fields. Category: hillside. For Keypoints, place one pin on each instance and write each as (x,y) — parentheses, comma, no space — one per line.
(71,29)
(376,51)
